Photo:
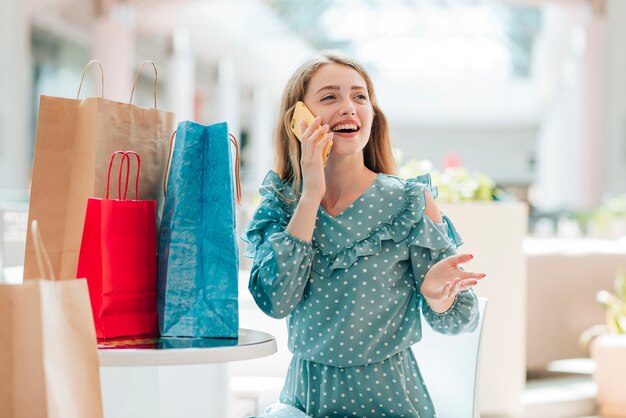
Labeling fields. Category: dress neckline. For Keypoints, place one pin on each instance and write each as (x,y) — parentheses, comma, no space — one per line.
(351,205)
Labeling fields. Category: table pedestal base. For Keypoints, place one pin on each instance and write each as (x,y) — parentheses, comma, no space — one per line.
(192,391)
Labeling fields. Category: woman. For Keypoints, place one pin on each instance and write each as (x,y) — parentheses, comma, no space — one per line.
(352,255)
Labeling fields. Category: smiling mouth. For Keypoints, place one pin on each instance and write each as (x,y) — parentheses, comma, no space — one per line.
(345,128)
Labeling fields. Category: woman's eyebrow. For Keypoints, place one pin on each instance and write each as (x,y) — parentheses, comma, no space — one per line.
(328,88)
(338,88)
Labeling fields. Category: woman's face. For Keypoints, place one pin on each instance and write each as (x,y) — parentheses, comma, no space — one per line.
(339,95)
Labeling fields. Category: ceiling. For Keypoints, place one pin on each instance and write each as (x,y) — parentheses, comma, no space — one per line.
(266,50)
(247,31)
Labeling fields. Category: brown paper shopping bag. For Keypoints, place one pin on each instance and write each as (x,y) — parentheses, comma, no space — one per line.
(75,138)
(49,364)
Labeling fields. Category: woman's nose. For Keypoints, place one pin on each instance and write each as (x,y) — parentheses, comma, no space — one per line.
(347,108)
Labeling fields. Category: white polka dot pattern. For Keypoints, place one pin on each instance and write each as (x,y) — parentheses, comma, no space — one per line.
(391,388)
(351,296)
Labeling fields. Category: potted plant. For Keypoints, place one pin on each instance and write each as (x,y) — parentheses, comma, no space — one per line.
(605,221)
(456,183)
(608,350)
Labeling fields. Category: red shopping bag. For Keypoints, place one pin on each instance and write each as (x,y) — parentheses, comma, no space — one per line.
(118,258)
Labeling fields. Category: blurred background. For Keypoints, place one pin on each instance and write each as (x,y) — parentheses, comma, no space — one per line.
(518,101)
(529,92)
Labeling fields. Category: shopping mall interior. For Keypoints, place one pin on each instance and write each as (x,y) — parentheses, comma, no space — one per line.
(516,108)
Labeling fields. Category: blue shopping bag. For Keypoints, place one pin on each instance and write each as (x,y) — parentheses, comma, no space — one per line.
(198,261)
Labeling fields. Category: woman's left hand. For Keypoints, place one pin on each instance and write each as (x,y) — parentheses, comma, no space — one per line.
(444,280)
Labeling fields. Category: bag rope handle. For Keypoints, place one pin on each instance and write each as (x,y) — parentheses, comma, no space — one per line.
(40,253)
(156,76)
(233,140)
(167,164)
(119,177)
(80,86)
(125,157)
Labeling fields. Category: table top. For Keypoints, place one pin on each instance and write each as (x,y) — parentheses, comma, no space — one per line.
(167,351)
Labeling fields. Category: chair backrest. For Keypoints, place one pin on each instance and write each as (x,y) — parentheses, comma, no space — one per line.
(449,365)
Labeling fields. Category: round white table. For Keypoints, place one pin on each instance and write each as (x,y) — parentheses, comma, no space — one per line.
(174,377)
(185,351)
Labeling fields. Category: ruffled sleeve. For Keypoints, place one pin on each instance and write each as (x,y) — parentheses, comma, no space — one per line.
(429,243)
(461,317)
(282,262)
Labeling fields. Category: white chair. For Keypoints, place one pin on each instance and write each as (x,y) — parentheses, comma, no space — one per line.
(449,366)
(256,384)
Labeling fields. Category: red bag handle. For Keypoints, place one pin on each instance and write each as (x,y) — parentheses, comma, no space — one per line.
(125,157)
(119,179)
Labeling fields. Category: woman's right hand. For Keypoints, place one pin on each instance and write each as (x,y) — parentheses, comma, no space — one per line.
(312,163)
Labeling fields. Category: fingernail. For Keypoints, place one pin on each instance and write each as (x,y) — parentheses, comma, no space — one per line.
(471,256)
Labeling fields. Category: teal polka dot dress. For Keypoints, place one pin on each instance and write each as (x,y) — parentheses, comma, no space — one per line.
(351,297)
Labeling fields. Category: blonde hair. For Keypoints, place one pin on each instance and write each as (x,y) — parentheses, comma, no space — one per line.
(377,154)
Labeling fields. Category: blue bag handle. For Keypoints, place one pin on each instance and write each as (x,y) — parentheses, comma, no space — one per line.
(233,140)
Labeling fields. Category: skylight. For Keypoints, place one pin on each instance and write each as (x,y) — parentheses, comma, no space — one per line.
(422,39)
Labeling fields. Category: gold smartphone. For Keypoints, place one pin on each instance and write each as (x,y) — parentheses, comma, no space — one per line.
(302,113)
